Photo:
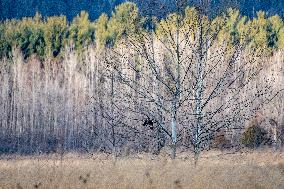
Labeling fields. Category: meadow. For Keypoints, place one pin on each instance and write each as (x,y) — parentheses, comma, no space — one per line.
(247,170)
(129,85)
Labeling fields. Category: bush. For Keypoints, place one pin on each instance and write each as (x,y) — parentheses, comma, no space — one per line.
(220,141)
(254,137)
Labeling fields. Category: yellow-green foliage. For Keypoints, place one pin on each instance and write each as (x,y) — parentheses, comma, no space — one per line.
(5,41)
(191,18)
(243,31)
(187,23)
(125,20)
(82,31)
(102,33)
(275,29)
(55,31)
(29,36)
(49,36)
(216,26)
(33,36)
(258,31)
(280,42)
(229,32)
(167,26)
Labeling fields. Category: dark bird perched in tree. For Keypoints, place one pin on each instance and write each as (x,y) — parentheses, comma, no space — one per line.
(149,122)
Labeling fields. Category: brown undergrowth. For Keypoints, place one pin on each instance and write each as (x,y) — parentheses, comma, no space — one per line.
(258,169)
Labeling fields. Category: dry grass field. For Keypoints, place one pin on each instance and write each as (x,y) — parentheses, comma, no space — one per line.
(247,170)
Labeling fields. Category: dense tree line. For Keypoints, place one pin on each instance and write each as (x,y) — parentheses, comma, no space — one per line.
(45,36)
(136,81)
(103,103)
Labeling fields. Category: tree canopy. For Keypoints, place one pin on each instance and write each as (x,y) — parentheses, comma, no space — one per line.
(48,36)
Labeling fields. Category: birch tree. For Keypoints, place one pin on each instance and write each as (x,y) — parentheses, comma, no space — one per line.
(189,81)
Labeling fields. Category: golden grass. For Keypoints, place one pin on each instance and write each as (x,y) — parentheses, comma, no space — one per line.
(259,170)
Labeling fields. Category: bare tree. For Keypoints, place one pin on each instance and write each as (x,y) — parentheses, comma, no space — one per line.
(190,84)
